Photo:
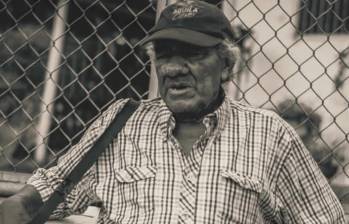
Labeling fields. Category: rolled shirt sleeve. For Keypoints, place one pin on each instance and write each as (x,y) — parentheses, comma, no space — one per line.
(47,180)
(76,202)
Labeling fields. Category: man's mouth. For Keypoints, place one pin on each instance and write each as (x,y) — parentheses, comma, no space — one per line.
(181,84)
(178,85)
(178,88)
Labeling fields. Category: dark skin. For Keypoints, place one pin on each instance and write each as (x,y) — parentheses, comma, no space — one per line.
(190,79)
(188,131)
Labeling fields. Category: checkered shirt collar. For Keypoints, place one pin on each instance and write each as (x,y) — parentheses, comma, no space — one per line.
(217,119)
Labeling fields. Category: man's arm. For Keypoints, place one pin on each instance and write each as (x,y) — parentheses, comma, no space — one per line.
(20,207)
(76,202)
(45,181)
(301,187)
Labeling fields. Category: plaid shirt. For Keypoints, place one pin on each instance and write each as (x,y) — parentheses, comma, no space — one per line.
(249,167)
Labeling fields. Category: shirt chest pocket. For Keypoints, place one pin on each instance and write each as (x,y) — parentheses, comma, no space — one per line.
(134,173)
(133,194)
(239,195)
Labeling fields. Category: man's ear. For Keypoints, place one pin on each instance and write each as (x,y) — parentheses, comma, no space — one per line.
(232,63)
(228,71)
(227,74)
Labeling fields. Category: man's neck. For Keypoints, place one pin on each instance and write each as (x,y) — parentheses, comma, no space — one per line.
(188,129)
(198,117)
(187,133)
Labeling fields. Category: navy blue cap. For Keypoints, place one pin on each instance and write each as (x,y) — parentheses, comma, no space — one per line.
(193,22)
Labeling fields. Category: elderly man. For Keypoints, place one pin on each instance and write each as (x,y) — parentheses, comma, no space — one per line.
(193,155)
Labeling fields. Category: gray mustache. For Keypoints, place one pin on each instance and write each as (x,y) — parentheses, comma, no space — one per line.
(172,69)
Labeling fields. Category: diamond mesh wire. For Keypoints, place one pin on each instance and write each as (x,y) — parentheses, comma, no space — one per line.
(98,62)
(295,61)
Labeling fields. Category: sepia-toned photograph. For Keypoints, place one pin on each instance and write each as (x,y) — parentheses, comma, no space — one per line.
(174,111)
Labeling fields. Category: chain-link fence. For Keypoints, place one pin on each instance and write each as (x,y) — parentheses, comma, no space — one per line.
(63,62)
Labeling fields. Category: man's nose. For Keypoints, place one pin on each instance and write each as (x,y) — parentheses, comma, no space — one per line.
(173,69)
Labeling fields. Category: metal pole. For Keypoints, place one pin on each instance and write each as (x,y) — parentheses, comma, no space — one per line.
(227,8)
(51,77)
(153,82)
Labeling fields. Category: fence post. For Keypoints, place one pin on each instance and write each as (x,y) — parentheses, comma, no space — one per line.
(153,82)
(227,8)
(51,77)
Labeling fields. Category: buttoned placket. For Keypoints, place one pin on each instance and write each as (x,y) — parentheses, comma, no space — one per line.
(190,166)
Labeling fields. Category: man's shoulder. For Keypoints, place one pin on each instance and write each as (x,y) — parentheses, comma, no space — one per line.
(253,110)
(152,103)
(146,105)
(110,112)
(262,116)
(116,106)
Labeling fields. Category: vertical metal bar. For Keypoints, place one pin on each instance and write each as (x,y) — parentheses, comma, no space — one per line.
(331,20)
(324,22)
(52,71)
(320,8)
(344,16)
(315,11)
(303,16)
(227,8)
(337,24)
(153,82)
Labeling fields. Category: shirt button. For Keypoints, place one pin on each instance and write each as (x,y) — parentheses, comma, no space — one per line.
(191,177)
(186,216)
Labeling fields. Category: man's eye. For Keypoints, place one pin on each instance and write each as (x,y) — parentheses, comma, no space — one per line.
(160,55)
(196,54)
(193,54)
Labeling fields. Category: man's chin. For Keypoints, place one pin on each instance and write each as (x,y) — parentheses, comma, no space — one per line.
(185,110)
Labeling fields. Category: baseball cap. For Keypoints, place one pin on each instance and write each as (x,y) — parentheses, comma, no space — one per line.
(194,22)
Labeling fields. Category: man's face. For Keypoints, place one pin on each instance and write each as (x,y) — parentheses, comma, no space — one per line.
(189,76)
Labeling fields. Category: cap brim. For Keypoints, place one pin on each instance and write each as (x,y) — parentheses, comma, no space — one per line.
(184,35)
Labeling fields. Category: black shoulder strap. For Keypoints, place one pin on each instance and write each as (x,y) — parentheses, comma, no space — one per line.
(85,163)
